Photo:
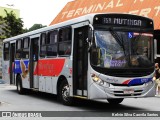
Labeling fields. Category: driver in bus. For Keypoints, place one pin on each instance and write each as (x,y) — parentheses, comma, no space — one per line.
(145,51)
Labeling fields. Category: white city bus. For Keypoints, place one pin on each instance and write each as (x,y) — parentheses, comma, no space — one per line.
(96,56)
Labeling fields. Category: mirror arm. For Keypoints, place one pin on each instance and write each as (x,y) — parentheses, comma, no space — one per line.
(91,27)
(90,38)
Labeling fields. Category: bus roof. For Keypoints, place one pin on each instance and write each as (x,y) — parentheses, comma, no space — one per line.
(59,25)
(88,17)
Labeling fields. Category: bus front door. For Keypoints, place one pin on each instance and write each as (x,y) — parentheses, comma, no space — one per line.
(34,49)
(80,61)
(11,66)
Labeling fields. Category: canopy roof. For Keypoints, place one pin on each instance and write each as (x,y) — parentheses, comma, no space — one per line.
(147,8)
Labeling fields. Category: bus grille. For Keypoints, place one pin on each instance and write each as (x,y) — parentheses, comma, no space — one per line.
(121,93)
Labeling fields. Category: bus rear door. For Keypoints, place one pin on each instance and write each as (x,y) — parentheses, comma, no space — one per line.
(34,51)
(11,64)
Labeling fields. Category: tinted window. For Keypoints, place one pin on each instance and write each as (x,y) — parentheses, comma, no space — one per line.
(65,34)
(18,49)
(53,37)
(65,48)
(65,41)
(25,53)
(49,48)
(26,42)
(43,38)
(52,50)
(43,51)
(19,44)
(6,51)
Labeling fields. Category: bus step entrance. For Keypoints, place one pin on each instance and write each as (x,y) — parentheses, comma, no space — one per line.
(35,89)
(81,97)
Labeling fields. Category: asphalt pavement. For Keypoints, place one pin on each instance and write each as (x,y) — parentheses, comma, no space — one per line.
(1,81)
(37,101)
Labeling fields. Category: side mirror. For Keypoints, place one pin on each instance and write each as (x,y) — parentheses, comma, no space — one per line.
(90,38)
(90,35)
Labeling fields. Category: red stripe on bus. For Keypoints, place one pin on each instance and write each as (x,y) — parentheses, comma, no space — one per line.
(126,82)
(49,67)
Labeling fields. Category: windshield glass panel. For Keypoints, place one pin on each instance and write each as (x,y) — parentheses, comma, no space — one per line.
(116,49)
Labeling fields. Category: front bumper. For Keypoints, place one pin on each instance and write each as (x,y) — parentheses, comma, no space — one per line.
(98,92)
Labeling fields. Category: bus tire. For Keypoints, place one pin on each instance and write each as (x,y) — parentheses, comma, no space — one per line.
(115,101)
(20,89)
(63,93)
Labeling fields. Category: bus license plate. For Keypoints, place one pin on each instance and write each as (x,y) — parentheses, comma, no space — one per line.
(130,91)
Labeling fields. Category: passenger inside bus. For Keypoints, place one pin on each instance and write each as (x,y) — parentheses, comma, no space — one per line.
(68,50)
(17,55)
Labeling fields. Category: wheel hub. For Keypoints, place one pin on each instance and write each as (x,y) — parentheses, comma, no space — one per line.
(65,92)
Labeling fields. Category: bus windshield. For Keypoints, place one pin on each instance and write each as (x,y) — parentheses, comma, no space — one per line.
(119,49)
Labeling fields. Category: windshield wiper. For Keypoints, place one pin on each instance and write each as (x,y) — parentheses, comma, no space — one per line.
(118,39)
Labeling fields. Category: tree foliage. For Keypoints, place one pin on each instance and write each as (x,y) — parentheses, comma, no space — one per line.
(14,25)
(36,26)
(10,25)
(2,28)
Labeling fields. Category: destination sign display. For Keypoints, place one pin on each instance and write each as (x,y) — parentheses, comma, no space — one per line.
(122,20)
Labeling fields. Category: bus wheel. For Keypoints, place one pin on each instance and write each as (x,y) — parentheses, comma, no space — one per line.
(20,89)
(64,93)
(115,101)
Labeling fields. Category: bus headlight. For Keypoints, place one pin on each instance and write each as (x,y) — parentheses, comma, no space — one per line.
(99,81)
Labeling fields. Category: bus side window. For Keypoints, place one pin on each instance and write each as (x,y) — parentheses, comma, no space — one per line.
(18,49)
(25,48)
(52,43)
(43,41)
(6,51)
(64,45)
